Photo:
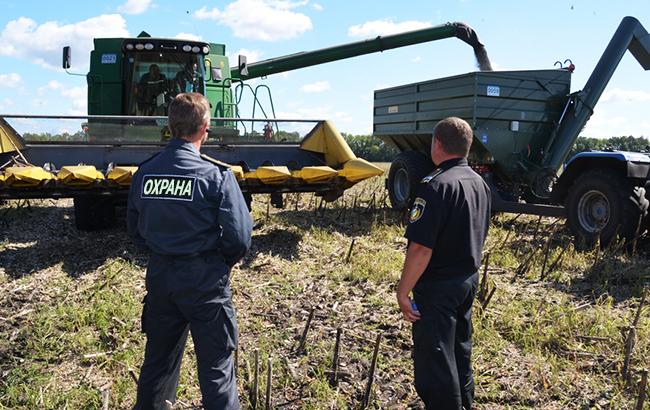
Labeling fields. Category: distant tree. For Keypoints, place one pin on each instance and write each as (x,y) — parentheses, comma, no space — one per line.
(629,143)
(370,148)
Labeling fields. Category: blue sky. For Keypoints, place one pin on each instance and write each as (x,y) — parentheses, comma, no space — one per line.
(518,35)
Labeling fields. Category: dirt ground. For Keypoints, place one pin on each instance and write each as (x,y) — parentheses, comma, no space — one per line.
(548,335)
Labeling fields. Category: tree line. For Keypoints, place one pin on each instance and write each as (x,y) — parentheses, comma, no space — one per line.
(373,149)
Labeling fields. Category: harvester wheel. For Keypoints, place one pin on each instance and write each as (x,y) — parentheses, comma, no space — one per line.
(601,203)
(92,213)
(406,171)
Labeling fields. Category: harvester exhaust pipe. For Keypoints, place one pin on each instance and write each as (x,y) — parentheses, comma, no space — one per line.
(468,35)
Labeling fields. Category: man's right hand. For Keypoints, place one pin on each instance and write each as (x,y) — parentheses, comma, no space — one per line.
(407,309)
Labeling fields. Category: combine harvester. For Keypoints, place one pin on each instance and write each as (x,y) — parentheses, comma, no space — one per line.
(130,84)
(525,124)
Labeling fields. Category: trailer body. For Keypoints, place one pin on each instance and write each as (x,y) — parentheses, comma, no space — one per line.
(525,124)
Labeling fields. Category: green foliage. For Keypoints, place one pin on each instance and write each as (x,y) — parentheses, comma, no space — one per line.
(46,136)
(629,143)
(370,148)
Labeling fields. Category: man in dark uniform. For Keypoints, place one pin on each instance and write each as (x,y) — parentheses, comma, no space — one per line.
(448,226)
(192,217)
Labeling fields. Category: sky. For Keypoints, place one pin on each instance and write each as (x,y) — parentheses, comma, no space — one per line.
(518,34)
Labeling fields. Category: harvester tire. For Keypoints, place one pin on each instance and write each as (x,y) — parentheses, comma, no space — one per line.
(406,172)
(603,204)
(93,213)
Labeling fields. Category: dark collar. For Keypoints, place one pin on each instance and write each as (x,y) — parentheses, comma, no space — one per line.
(179,143)
(453,162)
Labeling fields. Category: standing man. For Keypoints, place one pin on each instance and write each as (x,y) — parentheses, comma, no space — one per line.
(448,226)
(192,217)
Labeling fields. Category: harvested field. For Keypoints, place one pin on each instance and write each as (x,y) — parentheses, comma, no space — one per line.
(552,325)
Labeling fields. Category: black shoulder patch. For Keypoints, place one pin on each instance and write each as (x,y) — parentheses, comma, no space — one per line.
(168,187)
(431,176)
(215,161)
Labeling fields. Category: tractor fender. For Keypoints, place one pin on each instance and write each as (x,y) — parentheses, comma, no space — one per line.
(632,165)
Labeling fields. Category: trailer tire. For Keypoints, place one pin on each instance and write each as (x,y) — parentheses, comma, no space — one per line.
(406,172)
(602,203)
(93,213)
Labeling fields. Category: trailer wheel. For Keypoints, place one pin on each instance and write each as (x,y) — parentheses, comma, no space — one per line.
(602,203)
(93,213)
(406,171)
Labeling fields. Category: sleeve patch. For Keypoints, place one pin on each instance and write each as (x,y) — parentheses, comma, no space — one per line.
(417,210)
(170,187)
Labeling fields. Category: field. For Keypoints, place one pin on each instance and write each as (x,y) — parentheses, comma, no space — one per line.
(555,328)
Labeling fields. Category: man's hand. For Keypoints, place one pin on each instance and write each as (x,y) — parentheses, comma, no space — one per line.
(407,310)
(417,258)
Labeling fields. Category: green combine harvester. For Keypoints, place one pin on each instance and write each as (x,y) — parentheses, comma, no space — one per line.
(130,85)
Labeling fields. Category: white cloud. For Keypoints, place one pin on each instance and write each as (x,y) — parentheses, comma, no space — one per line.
(265,20)
(317,87)
(42,44)
(385,27)
(416,59)
(317,7)
(78,97)
(134,6)
(188,36)
(6,103)
(251,56)
(606,123)
(620,95)
(51,85)
(316,113)
(10,80)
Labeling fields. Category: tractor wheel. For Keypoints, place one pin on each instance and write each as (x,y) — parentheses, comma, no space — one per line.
(601,203)
(93,213)
(406,171)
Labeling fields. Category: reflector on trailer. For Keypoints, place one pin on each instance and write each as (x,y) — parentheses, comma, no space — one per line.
(79,175)
(315,174)
(269,174)
(121,175)
(27,176)
(359,169)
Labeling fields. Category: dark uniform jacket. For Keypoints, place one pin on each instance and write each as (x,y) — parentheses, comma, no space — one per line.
(451,216)
(182,204)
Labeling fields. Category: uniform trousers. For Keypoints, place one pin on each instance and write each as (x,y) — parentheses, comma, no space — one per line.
(188,294)
(442,341)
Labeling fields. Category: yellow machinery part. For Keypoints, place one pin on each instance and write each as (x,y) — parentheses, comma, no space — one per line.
(315,174)
(10,141)
(121,175)
(238,171)
(269,175)
(79,175)
(26,176)
(326,139)
(359,169)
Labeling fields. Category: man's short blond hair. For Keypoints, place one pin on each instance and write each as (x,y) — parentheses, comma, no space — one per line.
(455,136)
(188,112)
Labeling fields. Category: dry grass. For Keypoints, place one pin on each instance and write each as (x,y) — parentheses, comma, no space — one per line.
(70,305)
